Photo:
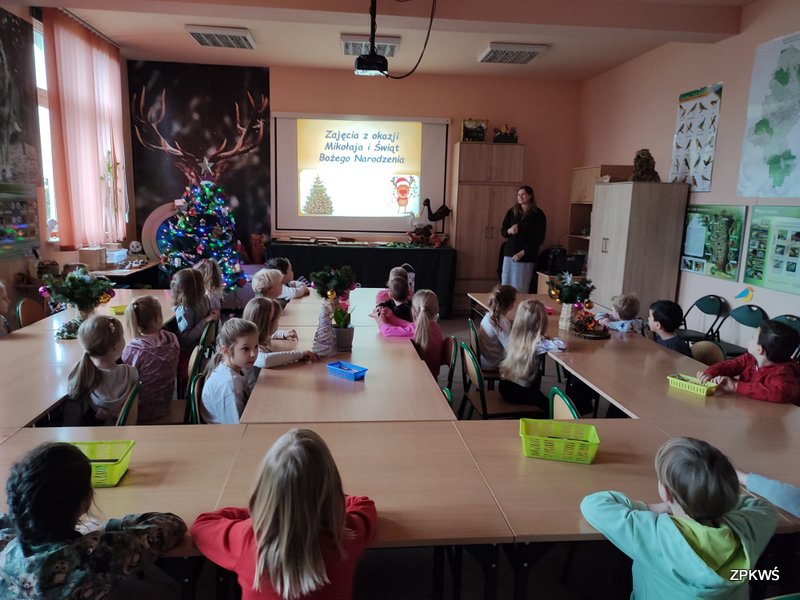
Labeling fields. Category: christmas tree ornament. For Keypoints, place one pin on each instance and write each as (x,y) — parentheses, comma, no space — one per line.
(44,291)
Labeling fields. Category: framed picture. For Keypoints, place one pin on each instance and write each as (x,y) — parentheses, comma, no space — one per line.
(474,130)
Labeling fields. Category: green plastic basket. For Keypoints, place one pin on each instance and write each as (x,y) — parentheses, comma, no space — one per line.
(109,460)
(559,440)
(691,384)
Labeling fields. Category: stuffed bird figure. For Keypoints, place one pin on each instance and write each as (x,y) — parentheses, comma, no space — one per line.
(439,214)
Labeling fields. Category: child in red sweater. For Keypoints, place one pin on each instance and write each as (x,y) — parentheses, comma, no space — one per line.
(301,536)
(766,371)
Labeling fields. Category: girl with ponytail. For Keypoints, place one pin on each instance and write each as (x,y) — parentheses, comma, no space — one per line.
(496,326)
(97,384)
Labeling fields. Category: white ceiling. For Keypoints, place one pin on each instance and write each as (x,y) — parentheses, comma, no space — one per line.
(587,37)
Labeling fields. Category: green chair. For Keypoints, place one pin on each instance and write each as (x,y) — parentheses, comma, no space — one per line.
(450,352)
(792,321)
(561,407)
(209,338)
(195,400)
(748,315)
(130,410)
(196,360)
(711,305)
(28,312)
(488,403)
(489,376)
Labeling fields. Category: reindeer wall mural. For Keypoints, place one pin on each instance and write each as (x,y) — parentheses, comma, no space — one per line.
(193,123)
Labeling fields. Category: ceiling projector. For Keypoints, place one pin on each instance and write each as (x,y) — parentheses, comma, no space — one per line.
(371,64)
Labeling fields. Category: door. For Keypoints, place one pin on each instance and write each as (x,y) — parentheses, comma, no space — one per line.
(609,240)
(473,231)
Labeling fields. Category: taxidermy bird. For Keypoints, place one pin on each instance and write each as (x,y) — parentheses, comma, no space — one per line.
(440,212)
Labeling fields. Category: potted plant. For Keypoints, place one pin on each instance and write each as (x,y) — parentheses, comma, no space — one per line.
(80,289)
(334,330)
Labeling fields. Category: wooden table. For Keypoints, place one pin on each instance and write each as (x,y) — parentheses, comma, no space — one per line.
(423,480)
(178,469)
(305,311)
(7,432)
(398,386)
(541,499)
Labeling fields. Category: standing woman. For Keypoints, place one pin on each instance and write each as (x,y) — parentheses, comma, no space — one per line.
(524,227)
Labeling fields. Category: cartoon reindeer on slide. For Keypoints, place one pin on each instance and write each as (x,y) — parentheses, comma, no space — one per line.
(250,135)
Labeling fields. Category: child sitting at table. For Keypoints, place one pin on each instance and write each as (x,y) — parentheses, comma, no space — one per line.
(47,553)
(192,314)
(268,283)
(386,294)
(265,312)
(228,383)
(5,304)
(766,371)
(154,353)
(424,329)
(496,326)
(665,318)
(519,370)
(212,282)
(291,288)
(398,301)
(97,385)
(300,536)
(626,319)
(692,543)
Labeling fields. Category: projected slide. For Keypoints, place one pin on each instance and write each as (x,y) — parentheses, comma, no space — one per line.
(358,168)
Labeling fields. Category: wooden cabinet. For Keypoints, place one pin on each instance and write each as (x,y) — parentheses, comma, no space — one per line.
(488,178)
(580,201)
(635,245)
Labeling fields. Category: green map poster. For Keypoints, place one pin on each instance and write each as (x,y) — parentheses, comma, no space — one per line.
(773,251)
(771,144)
(713,240)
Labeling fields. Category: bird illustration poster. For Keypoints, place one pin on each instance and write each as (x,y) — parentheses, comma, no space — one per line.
(771,140)
(695,139)
(773,250)
(713,241)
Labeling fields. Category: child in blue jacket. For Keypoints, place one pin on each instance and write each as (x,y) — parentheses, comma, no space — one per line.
(693,543)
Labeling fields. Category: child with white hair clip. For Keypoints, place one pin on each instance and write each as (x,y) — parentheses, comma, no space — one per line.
(97,385)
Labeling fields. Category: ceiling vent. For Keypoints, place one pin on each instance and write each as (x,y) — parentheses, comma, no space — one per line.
(222,37)
(356,45)
(511,54)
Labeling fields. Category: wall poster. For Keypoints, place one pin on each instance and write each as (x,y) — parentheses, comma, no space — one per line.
(713,240)
(771,141)
(695,137)
(773,251)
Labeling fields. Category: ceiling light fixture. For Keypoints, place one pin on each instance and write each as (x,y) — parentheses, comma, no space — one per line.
(511,54)
(222,37)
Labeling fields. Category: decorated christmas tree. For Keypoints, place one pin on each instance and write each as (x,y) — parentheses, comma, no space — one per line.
(318,202)
(202,228)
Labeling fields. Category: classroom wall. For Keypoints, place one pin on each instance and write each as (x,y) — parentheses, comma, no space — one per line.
(634,106)
(545,114)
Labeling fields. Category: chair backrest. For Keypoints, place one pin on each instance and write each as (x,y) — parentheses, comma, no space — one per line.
(129,414)
(448,396)
(561,407)
(195,365)
(195,401)
(209,338)
(450,352)
(473,340)
(29,311)
(471,375)
(708,352)
(709,305)
(792,321)
(748,315)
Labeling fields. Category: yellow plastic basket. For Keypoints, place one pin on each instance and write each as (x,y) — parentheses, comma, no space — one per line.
(691,384)
(559,440)
(109,460)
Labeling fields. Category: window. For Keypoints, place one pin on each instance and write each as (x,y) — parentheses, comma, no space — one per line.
(51,212)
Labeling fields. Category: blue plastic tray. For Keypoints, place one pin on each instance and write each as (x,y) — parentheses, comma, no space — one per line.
(347,370)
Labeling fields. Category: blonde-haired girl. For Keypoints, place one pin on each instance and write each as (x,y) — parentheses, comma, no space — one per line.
(228,385)
(301,536)
(154,353)
(267,283)
(97,384)
(519,370)
(496,326)
(212,281)
(265,312)
(423,329)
